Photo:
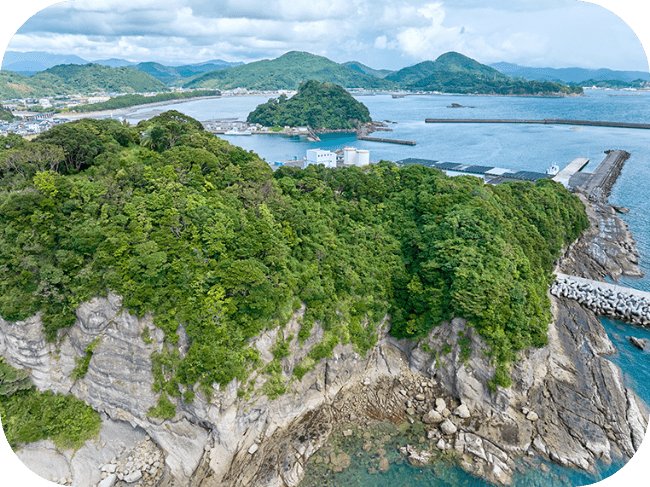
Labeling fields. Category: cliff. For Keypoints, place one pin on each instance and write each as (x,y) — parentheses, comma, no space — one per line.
(567,403)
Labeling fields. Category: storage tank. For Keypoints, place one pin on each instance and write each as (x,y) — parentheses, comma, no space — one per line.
(363,157)
(349,155)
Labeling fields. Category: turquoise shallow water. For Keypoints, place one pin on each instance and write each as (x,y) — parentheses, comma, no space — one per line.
(525,147)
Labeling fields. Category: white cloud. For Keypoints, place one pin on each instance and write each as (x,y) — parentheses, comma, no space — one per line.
(391,32)
(381,42)
(420,42)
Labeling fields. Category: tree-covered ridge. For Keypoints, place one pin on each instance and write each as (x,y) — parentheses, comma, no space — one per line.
(286,72)
(451,62)
(319,105)
(6,115)
(14,85)
(74,78)
(90,78)
(362,68)
(446,82)
(203,234)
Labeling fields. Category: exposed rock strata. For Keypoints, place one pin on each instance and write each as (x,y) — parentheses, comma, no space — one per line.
(606,249)
(581,410)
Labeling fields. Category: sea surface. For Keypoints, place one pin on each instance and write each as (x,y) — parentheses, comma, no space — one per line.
(522,147)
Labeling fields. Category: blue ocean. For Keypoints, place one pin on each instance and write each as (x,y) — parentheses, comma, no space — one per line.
(519,147)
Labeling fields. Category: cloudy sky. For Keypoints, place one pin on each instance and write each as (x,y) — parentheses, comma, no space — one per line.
(381,33)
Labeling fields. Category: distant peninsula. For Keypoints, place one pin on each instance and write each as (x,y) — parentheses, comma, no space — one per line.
(322,106)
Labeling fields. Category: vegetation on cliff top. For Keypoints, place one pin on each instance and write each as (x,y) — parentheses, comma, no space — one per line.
(204,234)
(319,105)
(29,415)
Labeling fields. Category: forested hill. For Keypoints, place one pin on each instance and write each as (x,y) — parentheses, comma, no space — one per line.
(362,68)
(74,78)
(466,83)
(201,233)
(450,62)
(287,72)
(319,105)
(455,73)
(89,78)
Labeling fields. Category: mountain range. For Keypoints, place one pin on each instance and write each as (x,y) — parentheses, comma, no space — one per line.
(569,75)
(29,63)
(450,73)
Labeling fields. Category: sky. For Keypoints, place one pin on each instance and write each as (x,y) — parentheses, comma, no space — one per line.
(387,34)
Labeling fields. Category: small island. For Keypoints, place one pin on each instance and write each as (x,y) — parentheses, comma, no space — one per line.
(322,106)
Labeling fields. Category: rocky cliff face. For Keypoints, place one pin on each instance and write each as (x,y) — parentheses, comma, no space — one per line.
(567,404)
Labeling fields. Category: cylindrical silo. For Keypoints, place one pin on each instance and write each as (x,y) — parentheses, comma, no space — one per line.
(349,155)
(363,157)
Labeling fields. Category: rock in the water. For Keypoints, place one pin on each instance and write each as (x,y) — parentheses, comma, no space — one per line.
(640,343)
(441,444)
(383,464)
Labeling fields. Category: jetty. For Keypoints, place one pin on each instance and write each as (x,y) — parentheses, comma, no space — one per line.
(546,121)
(574,166)
(389,141)
(604,299)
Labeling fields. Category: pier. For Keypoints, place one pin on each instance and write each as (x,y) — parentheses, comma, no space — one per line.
(604,299)
(389,141)
(546,121)
(575,166)
(599,185)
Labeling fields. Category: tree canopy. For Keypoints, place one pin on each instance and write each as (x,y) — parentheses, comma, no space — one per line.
(319,105)
(203,234)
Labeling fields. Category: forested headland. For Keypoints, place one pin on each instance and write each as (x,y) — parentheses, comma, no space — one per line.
(319,105)
(200,232)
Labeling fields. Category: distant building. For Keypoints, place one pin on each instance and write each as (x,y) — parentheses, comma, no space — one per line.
(356,157)
(318,156)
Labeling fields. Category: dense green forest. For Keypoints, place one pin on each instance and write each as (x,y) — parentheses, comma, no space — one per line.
(74,78)
(319,105)
(14,85)
(613,84)
(205,234)
(6,115)
(29,415)
(451,62)
(287,72)
(463,83)
(362,68)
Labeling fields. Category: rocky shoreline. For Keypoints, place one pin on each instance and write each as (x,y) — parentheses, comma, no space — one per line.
(567,404)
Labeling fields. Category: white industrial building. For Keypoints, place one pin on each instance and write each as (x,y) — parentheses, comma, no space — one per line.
(319,156)
(356,157)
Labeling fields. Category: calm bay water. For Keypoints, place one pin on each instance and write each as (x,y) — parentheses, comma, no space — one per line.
(524,147)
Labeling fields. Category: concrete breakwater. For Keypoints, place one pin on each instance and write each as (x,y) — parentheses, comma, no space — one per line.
(599,185)
(608,300)
(390,141)
(546,121)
